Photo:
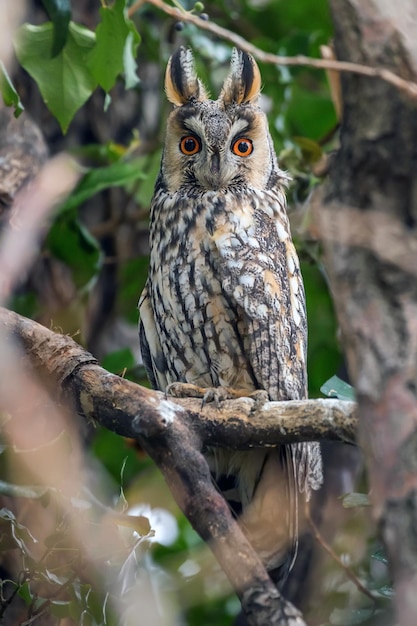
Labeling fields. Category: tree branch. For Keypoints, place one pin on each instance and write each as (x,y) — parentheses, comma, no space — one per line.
(131,410)
(173,433)
(407,87)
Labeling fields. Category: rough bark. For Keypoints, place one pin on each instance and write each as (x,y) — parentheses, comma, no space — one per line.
(131,410)
(367,216)
(22,153)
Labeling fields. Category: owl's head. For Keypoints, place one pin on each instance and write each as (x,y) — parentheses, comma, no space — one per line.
(216,144)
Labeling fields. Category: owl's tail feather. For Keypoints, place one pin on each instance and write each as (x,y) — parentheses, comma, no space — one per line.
(262,490)
(293,500)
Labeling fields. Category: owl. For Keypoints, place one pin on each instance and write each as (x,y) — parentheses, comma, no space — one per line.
(224,304)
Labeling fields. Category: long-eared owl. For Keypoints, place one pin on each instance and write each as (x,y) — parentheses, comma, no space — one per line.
(224,303)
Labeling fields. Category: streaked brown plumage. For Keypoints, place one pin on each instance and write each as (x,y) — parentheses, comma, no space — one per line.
(224,303)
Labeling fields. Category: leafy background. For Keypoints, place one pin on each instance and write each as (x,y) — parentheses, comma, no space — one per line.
(92,78)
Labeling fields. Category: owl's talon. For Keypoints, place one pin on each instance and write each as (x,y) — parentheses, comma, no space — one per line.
(184,390)
(217,395)
(210,394)
(260,397)
(173,390)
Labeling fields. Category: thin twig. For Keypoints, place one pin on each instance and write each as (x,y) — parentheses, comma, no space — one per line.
(406,86)
(348,571)
(41,610)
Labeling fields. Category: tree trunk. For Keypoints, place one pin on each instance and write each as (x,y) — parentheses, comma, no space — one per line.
(367,216)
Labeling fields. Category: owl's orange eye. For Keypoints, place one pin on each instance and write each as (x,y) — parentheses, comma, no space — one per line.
(190,145)
(242,147)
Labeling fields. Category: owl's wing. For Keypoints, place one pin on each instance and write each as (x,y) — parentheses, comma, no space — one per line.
(150,345)
(261,274)
(259,269)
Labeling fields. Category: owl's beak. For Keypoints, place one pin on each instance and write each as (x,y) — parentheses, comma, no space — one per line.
(211,175)
(215,164)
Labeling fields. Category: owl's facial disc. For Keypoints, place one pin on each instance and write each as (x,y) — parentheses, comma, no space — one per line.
(211,147)
(216,143)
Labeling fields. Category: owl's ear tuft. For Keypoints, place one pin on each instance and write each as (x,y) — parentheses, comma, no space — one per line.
(243,83)
(181,82)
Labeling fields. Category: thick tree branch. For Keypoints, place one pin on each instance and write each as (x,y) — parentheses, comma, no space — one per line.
(131,410)
(174,432)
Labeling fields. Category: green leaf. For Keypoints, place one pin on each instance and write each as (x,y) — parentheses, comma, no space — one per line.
(8,92)
(335,387)
(114,35)
(96,608)
(86,619)
(380,555)
(387,591)
(60,608)
(95,180)
(138,523)
(353,500)
(25,593)
(106,153)
(59,12)
(71,242)
(64,81)
(129,59)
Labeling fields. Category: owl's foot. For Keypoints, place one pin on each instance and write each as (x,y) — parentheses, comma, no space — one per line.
(215,394)
(260,397)
(218,395)
(185,390)
(207,394)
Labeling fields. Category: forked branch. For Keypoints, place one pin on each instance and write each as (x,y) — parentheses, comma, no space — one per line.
(173,433)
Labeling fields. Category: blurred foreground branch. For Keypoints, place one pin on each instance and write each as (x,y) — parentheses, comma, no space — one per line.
(173,432)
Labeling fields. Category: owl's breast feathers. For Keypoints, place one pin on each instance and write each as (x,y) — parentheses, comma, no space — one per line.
(227,294)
